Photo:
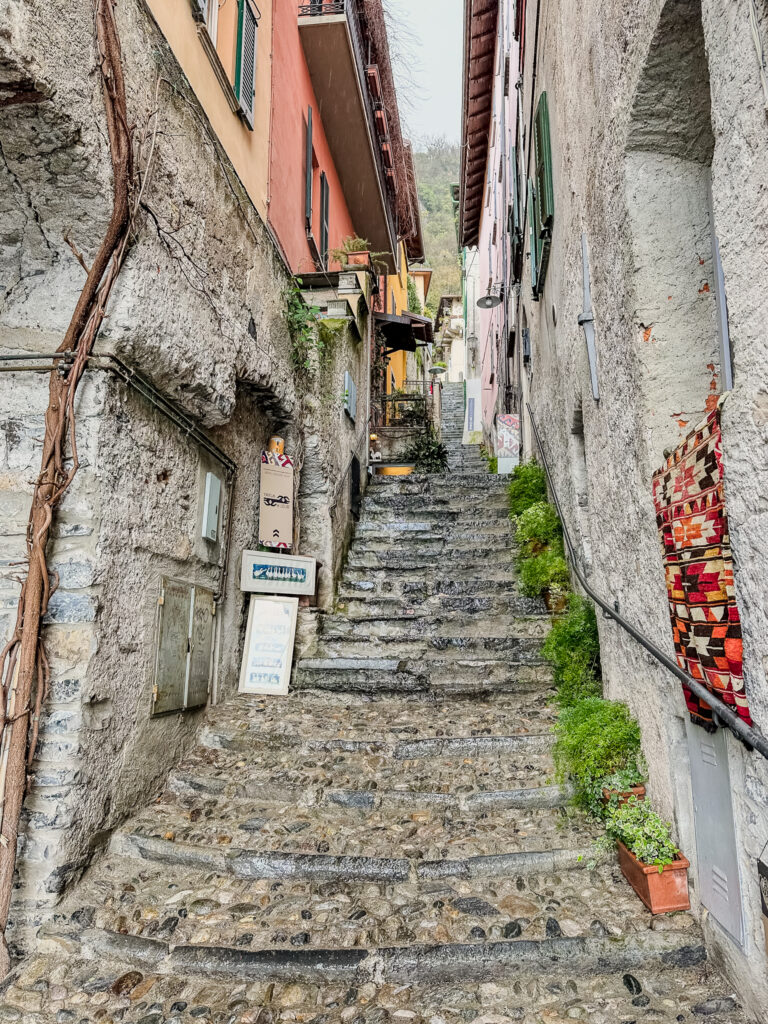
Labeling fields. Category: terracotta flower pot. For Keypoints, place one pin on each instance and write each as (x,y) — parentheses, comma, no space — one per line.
(662,892)
(358,259)
(624,795)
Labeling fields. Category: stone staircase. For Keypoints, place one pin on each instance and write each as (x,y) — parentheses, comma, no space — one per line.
(387,843)
(462,458)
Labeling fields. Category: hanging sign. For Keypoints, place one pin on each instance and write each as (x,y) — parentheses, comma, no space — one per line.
(276,500)
(264,573)
(269,643)
(507,441)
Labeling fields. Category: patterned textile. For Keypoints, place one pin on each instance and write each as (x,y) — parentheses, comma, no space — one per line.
(693,524)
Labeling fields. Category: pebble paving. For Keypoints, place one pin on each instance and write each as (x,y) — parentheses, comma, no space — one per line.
(387,844)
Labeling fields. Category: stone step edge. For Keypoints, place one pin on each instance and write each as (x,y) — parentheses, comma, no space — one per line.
(247,864)
(546,797)
(402,750)
(667,950)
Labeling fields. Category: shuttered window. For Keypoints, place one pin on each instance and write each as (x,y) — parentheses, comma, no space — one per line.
(532,236)
(308,170)
(516,220)
(201,7)
(324,203)
(543,219)
(245,71)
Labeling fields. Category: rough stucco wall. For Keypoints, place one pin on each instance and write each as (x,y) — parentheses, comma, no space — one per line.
(201,315)
(591,57)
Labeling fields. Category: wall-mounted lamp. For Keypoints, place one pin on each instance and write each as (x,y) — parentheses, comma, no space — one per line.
(489,300)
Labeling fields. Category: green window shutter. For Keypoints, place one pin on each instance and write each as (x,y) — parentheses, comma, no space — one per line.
(516,226)
(544,201)
(308,171)
(533,239)
(245,68)
(324,202)
(543,154)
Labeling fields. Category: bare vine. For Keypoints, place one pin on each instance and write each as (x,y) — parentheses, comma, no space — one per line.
(24,667)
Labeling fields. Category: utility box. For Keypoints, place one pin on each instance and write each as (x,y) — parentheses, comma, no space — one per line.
(211,507)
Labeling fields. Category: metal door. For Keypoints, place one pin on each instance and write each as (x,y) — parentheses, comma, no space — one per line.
(718,864)
(184,647)
(200,648)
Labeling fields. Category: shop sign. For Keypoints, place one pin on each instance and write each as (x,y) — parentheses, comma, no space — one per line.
(269,644)
(262,572)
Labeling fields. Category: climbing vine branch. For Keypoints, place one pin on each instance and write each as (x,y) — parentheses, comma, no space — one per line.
(24,667)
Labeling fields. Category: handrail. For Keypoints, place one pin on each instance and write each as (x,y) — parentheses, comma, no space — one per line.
(752,737)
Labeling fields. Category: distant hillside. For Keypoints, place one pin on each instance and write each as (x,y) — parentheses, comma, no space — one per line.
(437,168)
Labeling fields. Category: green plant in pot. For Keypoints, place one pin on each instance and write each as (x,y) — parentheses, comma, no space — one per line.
(648,855)
(427,452)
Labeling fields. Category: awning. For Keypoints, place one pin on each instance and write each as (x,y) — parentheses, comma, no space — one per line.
(405,333)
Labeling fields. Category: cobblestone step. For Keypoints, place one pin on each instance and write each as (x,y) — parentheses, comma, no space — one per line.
(473,558)
(135,897)
(440,625)
(359,603)
(456,675)
(393,724)
(68,987)
(429,650)
(339,841)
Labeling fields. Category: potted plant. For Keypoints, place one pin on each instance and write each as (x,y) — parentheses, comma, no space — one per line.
(623,785)
(648,856)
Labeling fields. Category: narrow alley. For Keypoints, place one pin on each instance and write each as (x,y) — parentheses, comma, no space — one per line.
(386,843)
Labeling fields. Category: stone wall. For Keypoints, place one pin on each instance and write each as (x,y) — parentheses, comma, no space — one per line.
(198,310)
(620,110)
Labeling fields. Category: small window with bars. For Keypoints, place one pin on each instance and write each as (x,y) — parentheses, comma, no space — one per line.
(248,16)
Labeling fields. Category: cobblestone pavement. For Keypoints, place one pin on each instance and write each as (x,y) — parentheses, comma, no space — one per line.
(386,844)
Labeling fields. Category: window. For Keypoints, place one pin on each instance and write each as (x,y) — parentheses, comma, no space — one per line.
(324,198)
(208,14)
(544,196)
(308,170)
(245,72)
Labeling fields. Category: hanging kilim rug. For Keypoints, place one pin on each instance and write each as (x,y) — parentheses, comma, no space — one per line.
(693,524)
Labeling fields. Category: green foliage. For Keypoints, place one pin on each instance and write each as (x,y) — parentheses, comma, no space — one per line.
(428,453)
(595,739)
(491,461)
(548,570)
(527,487)
(642,831)
(301,320)
(437,168)
(354,244)
(538,526)
(414,303)
(573,648)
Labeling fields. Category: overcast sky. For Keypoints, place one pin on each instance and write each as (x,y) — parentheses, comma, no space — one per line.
(429,76)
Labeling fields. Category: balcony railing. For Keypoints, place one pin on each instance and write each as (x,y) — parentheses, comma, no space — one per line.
(325,8)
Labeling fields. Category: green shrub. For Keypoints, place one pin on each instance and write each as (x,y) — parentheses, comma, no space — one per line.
(642,831)
(527,487)
(573,648)
(594,739)
(491,461)
(538,525)
(546,571)
(428,453)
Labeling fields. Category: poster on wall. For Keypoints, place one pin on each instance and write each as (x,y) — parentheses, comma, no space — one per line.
(276,501)
(269,642)
(507,441)
(473,426)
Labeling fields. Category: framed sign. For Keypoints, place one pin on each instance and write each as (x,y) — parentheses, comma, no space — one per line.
(262,572)
(269,643)
(276,501)
(507,441)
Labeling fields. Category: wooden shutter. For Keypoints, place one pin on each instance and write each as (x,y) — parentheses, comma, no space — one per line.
(516,226)
(308,171)
(532,238)
(324,202)
(544,198)
(245,71)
